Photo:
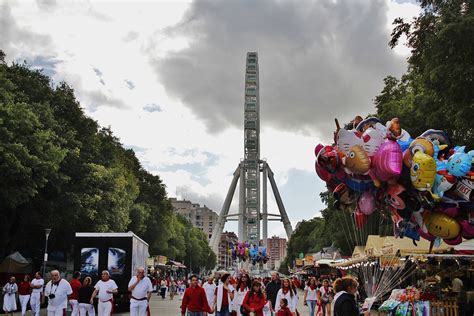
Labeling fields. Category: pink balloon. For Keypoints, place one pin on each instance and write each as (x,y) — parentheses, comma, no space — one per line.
(387,161)
(454,241)
(467,229)
(367,203)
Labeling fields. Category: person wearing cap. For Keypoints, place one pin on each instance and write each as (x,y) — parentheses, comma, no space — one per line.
(105,290)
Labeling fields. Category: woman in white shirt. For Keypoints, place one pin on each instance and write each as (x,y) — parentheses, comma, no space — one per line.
(310,296)
(287,291)
(224,295)
(326,292)
(243,286)
(9,299)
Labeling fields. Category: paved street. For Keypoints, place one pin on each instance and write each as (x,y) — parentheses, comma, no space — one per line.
(168,307)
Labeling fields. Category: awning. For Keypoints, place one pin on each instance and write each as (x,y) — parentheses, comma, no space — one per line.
(465,248)
(177,264)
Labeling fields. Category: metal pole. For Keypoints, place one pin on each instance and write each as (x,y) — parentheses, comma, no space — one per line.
(264,207)
(281,207)
(219,227)
(242,210)
(47,231)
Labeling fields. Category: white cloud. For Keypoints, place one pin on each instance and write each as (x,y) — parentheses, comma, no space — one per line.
(97,47)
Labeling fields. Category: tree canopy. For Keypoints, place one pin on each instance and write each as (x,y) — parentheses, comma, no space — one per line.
(61,170)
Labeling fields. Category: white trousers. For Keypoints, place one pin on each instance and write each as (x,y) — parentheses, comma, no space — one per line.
(104,308)
(86,308)
(74,307)
(57,312)
(24,303)
(138,308)
(35,303)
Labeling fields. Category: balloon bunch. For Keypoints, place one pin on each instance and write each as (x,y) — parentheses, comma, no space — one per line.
(244,251)
(426,183)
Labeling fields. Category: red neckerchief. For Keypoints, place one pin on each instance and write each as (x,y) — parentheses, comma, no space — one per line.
(285,290)
(312,287)
(242,287)
(209,282)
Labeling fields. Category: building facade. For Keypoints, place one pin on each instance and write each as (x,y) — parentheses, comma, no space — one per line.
(224,258)
(200,216)
(276,250)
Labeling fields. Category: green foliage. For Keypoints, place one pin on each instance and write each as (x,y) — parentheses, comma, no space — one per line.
(438,89)
(61,171)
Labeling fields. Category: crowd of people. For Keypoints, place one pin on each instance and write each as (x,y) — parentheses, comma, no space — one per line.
(228,296)
(220,296)
(80,296)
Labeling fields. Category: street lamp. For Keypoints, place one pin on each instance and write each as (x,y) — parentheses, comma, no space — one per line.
(47,231)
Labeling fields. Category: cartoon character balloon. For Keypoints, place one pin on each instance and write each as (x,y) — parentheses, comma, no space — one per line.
(387,163)
(459,164)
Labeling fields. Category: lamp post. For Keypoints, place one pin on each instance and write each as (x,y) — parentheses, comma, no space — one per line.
(47,231)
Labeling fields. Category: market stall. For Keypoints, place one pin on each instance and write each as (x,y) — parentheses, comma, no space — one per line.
(443,282)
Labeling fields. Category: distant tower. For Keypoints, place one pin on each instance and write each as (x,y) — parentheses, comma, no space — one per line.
(248,171)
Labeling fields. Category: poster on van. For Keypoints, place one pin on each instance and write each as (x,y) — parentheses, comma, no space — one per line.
(116,261)
(90,261)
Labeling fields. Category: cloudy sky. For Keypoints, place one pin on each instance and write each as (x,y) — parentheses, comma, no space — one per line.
(168,78)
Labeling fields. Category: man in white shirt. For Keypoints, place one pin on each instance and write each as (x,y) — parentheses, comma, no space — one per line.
(210,289)
(141,288)
(36,291)
(57,291)
(104,290)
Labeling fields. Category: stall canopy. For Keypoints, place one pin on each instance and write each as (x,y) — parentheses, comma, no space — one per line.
(373,246)
(16,263)
(405,246)
(358,252)
(465,248)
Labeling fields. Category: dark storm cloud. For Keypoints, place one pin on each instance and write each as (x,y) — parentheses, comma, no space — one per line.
(318,60)
(20,43)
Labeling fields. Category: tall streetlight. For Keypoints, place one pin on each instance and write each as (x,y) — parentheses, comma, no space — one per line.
(47,231)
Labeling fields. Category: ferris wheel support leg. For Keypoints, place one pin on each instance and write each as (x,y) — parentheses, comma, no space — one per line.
(242,210)
(217,231)
(264,206)
(281,207)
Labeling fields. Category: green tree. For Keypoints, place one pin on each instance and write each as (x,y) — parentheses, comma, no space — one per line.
(438,89)
(60,170)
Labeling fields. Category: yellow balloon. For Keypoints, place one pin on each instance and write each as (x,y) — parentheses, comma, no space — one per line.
(422,171)
(442,226)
